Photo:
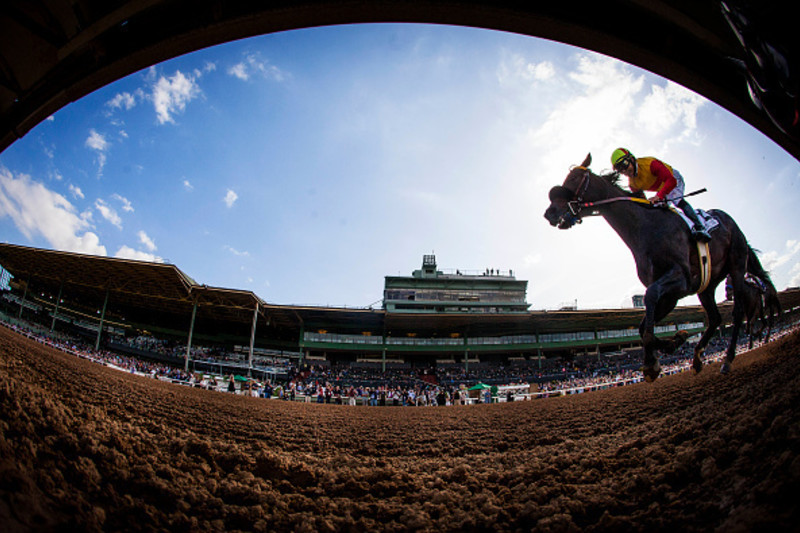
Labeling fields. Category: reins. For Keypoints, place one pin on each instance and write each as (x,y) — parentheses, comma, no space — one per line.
(575,207)
(577,204)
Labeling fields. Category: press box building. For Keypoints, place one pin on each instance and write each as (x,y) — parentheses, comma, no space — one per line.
(430,290)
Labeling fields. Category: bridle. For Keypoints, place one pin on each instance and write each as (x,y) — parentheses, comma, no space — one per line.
(574,199)
(576,204)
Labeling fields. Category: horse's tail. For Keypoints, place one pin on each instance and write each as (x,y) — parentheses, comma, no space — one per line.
(771,302)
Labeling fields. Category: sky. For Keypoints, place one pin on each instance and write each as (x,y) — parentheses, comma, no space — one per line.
(307,165)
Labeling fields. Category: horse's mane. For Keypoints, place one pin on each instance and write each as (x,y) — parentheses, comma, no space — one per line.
(613,178)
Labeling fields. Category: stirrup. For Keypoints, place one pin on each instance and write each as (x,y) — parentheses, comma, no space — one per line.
(700,234)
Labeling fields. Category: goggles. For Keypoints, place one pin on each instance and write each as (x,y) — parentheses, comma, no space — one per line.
(623,163)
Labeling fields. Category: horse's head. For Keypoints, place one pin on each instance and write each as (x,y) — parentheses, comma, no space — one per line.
(563,211)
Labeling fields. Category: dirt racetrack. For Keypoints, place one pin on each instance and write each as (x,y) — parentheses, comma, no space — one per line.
(84,447)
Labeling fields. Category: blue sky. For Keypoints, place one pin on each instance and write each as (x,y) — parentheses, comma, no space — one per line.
(307,165)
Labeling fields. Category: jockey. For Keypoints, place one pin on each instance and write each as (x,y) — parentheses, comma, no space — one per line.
(650,174)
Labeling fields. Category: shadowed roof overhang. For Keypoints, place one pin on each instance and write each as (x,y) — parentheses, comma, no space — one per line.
(141,292)
(53,52)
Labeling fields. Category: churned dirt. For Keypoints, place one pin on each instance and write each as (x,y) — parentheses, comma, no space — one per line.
(84,447)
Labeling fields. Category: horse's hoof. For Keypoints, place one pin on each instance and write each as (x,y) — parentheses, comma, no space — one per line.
(697,367)
(725,368)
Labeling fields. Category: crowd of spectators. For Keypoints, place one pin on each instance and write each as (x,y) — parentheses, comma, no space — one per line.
(396,385)
(208,354)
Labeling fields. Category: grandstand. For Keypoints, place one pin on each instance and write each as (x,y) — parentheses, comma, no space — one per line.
(105,300)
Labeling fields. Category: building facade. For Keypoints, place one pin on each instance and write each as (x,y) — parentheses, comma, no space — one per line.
(429,290)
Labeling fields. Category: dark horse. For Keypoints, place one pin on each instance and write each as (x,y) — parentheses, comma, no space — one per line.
(759,297)
(666,257)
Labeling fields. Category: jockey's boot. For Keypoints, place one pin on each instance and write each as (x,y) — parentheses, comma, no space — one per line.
(698,230)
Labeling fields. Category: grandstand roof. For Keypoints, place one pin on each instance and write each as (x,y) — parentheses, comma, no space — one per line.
(157,294)
(139,292)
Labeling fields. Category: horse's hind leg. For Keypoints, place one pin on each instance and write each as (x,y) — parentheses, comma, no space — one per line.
(738,316)
(651,368)
(714,320)
(768,325)
(762,320)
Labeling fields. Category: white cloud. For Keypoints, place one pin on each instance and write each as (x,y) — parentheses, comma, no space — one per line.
(126,204)
(38,211)
(230,198)
(210,66)
(76,191)
(670,106)
(596,112)
(170,95)
(108,213)
(239,70)
(252,65)
(146,241)
(794,281)
(122,101)
(126,252)
(532,259)
(772,259)
(97,142)
(234,251)
(188,186)
(517,68)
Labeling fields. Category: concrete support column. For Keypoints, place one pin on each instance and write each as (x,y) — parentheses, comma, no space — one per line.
(55,309)
(252,341)
(24,295)
(102,318)
(191,333)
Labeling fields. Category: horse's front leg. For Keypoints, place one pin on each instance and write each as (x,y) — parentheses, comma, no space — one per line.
(667,288)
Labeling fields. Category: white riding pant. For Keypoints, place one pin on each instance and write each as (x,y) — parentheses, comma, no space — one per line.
(676,195)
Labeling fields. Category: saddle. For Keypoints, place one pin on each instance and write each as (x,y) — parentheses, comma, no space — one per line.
(750,279)
(709,222)
(756,282)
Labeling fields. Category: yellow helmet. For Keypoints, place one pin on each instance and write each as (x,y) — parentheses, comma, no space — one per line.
(621,158)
